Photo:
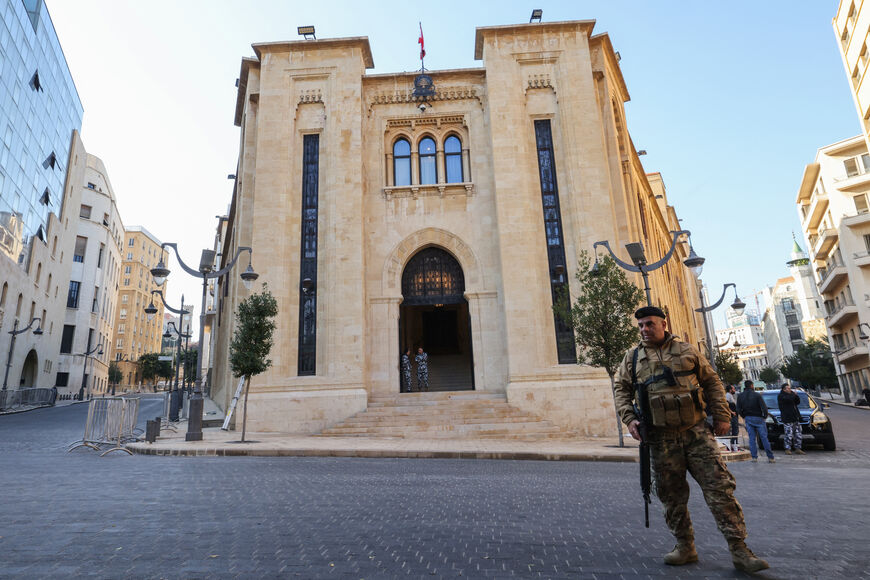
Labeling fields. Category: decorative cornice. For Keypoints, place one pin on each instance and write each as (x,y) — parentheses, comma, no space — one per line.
(407,96)
(310,96)
(439,189)
(541,81)
(426,121)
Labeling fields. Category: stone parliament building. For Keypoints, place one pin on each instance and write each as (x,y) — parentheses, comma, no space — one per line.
(443,210)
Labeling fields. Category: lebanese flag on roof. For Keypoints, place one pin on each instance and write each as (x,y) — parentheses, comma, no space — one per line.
(420,42)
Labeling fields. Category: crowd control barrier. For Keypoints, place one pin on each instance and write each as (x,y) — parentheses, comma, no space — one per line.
(111,423)
(27,397)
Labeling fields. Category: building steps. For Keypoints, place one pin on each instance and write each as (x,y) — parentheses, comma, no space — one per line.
(445,415)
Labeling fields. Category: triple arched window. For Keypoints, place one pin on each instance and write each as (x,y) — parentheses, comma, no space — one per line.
(429,169)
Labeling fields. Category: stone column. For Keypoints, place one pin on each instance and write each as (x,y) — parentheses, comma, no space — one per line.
(389,170)
(415,168)
(485,347)
(466,167)
(441,170)
(384,351)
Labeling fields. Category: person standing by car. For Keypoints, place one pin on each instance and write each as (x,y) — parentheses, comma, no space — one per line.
(731,399)
(750,406)
(790,416)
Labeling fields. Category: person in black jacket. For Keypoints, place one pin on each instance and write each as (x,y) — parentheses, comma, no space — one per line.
(791,418)
(750,406)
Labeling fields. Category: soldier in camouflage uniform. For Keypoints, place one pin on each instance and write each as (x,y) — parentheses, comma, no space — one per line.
(422,360)
(675,372)
(406,372)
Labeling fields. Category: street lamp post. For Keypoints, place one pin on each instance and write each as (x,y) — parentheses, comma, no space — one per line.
(639,264)
(87,354)
(205,273)
(738,306)
(175,398)
(150,311)
(15,332)
(120,359)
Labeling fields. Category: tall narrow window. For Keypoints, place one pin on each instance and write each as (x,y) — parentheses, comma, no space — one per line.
(66,341)
(453,159)
(308,263)
(401,162)
(553,229)
(72,297)
(79,253)
(428,173)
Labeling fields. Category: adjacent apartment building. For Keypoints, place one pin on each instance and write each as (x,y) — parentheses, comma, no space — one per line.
(851,27)
(833,207)
(443,210)
(793,311)
(40,116)
(92,290)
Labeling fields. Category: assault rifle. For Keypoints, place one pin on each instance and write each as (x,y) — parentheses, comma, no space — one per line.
(640,409)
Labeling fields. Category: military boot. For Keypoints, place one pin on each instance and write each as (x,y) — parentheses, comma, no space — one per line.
(744,560)
(683,553)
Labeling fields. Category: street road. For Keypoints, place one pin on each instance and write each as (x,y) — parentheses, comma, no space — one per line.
(79,515)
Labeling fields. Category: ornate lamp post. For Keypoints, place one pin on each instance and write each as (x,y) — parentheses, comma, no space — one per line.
(15,332)
(639,263)
(738,305)
(205,273)
(87,354)
(150,311)
(175,397)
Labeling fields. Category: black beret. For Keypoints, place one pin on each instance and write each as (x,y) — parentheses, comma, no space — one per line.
(649,311)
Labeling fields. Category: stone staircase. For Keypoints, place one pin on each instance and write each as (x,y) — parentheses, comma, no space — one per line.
(448,372)
(445,415)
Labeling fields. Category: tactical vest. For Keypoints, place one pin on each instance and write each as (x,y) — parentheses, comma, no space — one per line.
(674,398)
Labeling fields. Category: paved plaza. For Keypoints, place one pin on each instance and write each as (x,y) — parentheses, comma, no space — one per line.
(79,515)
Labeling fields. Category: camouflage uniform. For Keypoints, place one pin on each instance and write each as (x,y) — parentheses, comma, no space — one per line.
(422,361)
(406,373)
(674,452)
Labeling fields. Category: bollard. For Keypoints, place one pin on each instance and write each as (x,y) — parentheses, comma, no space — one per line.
(158,419)
(151,430)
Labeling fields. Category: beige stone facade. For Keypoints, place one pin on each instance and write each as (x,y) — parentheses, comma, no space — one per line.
(470,189)
(134,333)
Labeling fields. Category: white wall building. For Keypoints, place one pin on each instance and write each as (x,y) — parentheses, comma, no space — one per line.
(93,286)
(834,211)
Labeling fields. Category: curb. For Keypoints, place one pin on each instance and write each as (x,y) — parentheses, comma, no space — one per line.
(843,404)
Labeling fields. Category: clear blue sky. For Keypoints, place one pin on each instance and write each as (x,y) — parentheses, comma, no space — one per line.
(730,100)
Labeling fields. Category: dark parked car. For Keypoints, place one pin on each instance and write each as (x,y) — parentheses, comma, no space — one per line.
(815,425)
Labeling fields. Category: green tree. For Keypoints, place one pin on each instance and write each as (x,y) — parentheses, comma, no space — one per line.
(115,375)
(148,366)
(769,375)
(252,340)
(811,365)
(602,316)
(188,358)
(728,369)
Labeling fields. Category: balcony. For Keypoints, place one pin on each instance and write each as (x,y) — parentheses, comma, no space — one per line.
(862,259)
(859,181)
(856,220)
(823,244)
(843,314)
(834,274)
(854,351)
(818,206)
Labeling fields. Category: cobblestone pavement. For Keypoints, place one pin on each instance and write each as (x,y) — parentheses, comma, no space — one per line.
(79,515)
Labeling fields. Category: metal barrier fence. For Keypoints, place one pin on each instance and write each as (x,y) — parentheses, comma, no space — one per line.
(27,397)
(111,422)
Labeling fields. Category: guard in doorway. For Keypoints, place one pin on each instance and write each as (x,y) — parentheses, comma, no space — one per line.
(422,360)
(406,371)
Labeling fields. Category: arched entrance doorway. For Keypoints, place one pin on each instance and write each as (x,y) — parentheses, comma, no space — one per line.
(29,371)
(434,315)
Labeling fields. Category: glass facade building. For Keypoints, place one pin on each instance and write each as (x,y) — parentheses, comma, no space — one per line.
(39,109)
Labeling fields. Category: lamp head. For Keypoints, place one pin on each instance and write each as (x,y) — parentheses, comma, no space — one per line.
(694,263)
(100,352)
(38,331)
(167,334)
(159,273)
(595,271)
(248,277)
(738,306)
(150,310)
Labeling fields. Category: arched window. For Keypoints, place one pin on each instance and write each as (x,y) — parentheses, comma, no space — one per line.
(402,162)
(3,295)
(428,174)
(453,159)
